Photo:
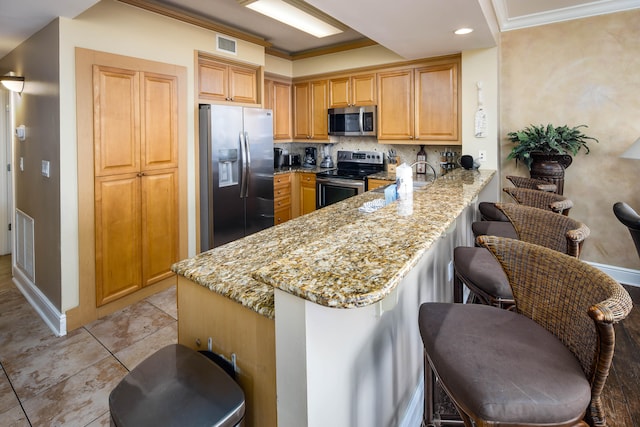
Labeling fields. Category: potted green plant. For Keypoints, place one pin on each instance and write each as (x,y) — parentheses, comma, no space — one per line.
(547,140)
(547,150)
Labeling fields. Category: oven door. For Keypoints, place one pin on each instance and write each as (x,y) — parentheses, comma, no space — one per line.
(333,190)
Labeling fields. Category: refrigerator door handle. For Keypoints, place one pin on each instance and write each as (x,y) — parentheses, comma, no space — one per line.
(248,155)
(244,176)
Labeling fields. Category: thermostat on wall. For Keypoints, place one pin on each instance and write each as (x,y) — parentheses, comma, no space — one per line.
(21,132)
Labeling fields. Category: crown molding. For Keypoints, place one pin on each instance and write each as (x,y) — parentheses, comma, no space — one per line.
(585,10)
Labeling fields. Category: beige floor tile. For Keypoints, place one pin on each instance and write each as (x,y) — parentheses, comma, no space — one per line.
(103,421)
(8,398)
(78,400)
(137,352)
(42,367)
(125,327)
(14,417)
(166,301)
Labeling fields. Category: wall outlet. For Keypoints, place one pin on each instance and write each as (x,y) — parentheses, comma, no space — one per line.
(482,155)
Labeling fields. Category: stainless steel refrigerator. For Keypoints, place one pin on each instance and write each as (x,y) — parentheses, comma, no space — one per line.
(236,173)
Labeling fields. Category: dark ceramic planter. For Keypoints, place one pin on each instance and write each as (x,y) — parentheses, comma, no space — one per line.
(550,167)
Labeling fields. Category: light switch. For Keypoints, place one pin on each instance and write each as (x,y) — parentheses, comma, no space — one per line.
(45,168)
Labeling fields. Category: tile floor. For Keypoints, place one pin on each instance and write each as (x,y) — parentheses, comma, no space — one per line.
(65,381)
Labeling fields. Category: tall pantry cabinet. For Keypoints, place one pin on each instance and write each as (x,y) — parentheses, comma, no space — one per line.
(136,179)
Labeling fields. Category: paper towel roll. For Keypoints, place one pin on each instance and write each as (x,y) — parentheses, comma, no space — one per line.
(404,179)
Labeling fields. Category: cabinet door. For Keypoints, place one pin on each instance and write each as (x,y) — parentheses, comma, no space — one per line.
(363,89)
(395,105)
(243,85)
(281,110)
(213,80)
(159,215)
(118,231)
(159,130)
(372,183)
(339,89)
(319,102)
(307,193)
(437,103)
(116,120)
(301,105)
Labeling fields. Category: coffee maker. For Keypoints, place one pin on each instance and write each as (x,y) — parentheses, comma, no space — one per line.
(310,156)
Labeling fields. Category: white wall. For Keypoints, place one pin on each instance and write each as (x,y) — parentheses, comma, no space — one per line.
(480,66)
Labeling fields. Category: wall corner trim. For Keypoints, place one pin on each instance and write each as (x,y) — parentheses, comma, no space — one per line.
(53,318)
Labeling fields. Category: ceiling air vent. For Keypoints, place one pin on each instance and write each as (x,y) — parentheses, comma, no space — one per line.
(225,44)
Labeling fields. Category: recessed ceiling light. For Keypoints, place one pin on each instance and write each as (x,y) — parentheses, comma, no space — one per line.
(461,31)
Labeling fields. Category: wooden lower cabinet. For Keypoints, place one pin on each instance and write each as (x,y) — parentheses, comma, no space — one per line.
(136,219)
(307,193)
(372,184)
(281,198)
(205,314)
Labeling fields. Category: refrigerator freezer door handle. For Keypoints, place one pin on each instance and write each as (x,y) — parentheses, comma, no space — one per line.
(248,154)
(243,151)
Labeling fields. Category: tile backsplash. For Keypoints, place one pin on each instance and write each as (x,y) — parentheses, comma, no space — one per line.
(406,153)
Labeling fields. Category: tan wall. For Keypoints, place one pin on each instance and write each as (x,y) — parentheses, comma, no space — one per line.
(38,108)
(582,72)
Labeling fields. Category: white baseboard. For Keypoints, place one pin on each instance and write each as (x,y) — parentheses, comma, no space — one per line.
(413,415)
(621,274)
(48,312)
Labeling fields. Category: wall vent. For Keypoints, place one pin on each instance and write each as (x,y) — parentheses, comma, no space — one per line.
(227,45)
(25,257)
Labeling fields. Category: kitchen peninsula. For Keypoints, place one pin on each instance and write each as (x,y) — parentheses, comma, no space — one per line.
(321,311)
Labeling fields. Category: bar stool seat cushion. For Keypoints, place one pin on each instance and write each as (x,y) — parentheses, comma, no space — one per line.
(502,365)
(481,272)
(494,228)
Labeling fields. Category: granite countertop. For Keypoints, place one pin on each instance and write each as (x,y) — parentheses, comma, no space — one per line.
(336,256)
(287,169)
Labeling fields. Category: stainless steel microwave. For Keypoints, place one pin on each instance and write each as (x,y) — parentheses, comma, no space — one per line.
(353,121)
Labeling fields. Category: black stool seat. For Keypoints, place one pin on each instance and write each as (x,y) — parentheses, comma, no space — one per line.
(177,386)
(494,228)
(491,363)
(482,273)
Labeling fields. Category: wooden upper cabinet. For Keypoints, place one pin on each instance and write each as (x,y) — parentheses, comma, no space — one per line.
(277,96)
(437,103)
(243,85)
(319,119)
(310,110)
(301,110)
(116,121)
(420,103)
(228,82)
(356,90)
(395,105)
(159,113)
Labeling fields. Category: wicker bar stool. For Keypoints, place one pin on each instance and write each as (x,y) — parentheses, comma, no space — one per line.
(544,364)
(528,197)
(479,271)
(532,183)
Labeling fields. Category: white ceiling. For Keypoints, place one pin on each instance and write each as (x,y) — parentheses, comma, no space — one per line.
(411,28)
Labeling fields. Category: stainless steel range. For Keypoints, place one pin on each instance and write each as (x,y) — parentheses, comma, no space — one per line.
(349,179)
